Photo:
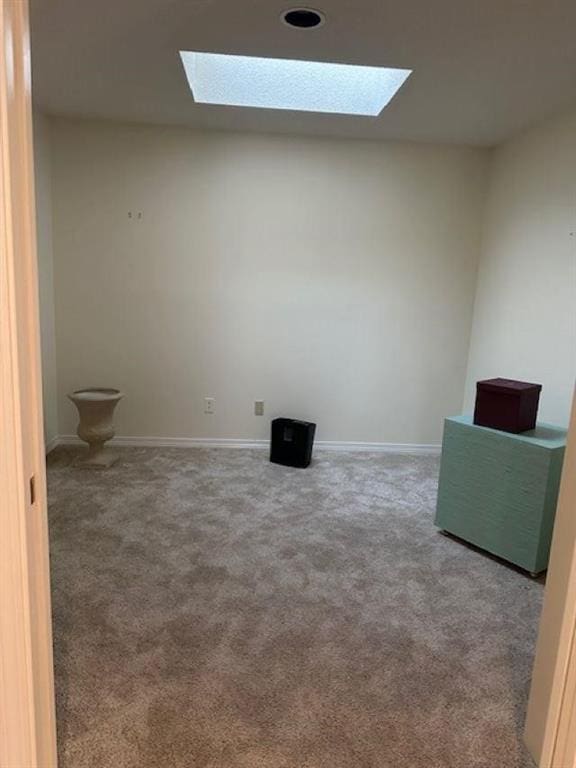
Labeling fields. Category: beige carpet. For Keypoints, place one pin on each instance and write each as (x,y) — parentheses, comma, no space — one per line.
(212,610)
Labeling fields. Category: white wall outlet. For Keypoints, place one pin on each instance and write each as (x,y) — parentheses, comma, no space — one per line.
(209,405)
(259,407)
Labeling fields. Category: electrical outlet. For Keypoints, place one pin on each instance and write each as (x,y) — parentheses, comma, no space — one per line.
(209,405)
(259,407)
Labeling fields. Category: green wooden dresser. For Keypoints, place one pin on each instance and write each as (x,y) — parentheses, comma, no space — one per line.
(498,490)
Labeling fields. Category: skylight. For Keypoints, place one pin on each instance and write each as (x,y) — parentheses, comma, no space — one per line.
(308,86)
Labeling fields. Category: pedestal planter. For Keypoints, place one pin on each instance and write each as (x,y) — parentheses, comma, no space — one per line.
(96,409)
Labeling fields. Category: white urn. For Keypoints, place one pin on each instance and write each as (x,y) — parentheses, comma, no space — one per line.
(96,409)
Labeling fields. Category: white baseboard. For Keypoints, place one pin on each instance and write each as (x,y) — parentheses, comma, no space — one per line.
(51,444)
(209,442)
(411,448)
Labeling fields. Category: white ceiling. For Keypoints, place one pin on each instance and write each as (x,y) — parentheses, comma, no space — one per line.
(483,69)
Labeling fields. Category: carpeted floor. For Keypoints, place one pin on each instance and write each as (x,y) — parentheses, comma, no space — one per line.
(212,610)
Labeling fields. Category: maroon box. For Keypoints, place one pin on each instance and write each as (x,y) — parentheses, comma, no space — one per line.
(506,404)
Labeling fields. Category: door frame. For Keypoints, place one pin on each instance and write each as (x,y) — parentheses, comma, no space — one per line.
(550,729)
(27,720)
(27,712)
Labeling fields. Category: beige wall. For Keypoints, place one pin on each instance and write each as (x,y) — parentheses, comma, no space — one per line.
(525,311)
(43,182)
(333,279)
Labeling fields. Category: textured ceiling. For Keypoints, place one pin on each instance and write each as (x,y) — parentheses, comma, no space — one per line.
(483,69)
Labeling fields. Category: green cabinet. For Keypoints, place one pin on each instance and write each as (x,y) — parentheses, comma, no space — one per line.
(499,490)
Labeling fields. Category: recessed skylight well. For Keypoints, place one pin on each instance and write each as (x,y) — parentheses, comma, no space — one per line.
(307,86)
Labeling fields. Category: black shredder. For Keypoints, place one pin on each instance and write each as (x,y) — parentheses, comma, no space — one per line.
(292,442)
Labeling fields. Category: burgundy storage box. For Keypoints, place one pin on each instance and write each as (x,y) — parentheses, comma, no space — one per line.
(506,404)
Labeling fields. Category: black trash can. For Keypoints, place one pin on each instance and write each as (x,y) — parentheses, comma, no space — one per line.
(292,442)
